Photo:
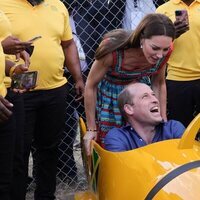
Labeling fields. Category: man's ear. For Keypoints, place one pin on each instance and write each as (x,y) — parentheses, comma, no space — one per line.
(128,109)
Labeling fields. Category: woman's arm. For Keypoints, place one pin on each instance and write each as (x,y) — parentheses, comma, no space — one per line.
(159,87)
(97,72)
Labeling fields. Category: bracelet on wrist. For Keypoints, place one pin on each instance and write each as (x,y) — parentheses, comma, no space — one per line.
(12,69)
(92,130)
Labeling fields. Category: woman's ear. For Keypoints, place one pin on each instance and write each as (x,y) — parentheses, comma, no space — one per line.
(128,109)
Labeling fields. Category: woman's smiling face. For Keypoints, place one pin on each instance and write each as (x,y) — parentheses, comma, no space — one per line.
(156,47)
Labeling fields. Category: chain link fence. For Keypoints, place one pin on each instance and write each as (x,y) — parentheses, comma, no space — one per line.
(92,19)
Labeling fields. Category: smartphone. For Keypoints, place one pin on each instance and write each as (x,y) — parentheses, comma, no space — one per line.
(181,15)
(29,50)
(35,38)
(25,80)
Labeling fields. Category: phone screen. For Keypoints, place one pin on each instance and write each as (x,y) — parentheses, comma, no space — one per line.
(25,80)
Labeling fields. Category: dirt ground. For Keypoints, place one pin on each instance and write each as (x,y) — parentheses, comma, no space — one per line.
(65,191)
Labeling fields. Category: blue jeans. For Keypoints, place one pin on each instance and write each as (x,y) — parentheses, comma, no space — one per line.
(44,122)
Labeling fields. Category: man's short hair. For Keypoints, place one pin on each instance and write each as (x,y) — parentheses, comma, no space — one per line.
(125,97)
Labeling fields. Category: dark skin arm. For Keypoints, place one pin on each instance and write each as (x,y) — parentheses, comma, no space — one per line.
(73,65)
(13,46)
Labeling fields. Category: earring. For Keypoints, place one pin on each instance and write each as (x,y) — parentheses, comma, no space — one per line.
(141,45)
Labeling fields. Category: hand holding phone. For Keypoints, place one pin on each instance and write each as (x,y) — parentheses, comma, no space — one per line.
(182,22)
(26,80)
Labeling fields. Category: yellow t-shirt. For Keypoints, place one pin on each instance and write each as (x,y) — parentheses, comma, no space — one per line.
(4,32)
(50,19)
(5,26)
(184,62)
(3,89)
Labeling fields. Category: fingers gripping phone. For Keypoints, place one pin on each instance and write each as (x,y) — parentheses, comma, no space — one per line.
(25,80)
(182,15)
(30,48)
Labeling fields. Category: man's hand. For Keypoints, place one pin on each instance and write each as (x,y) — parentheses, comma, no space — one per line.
(79,87)
(5,113)
(12,45)
(89,136)
(25,56)
(19,69)
(180,27)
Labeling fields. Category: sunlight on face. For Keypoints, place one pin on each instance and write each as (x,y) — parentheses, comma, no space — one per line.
(156,47)
(146,105)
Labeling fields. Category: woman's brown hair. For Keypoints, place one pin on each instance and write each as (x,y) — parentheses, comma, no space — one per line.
(151,25)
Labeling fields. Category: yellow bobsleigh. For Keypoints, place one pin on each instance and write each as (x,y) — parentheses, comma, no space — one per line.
(167,170)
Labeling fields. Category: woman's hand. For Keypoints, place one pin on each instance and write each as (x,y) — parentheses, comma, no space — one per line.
(89,136)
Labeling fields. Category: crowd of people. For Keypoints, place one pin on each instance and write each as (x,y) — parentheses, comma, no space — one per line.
(139,79)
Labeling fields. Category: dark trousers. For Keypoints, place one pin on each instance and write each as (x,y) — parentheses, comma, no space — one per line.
(43,124)
(7,137)
(18,187)
(183,99)
(12,179)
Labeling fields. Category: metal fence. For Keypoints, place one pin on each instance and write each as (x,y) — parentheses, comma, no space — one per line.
(92,19)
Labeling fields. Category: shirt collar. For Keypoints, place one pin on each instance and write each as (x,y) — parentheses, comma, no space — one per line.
(128,126)
(179,1)
(35,2)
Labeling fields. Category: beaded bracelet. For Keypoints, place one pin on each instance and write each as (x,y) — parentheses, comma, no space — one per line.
(93,130)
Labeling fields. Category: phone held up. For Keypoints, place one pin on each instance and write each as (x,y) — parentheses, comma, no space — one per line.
(25,80)
(182,15)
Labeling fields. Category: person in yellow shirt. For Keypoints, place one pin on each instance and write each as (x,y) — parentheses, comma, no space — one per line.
(183,72)
(11,168)
(12,174)
(45,105)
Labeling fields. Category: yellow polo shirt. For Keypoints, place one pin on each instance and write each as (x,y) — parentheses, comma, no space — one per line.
(50,19)
(4,32)
(5,26)
(3,89)
(184,62)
